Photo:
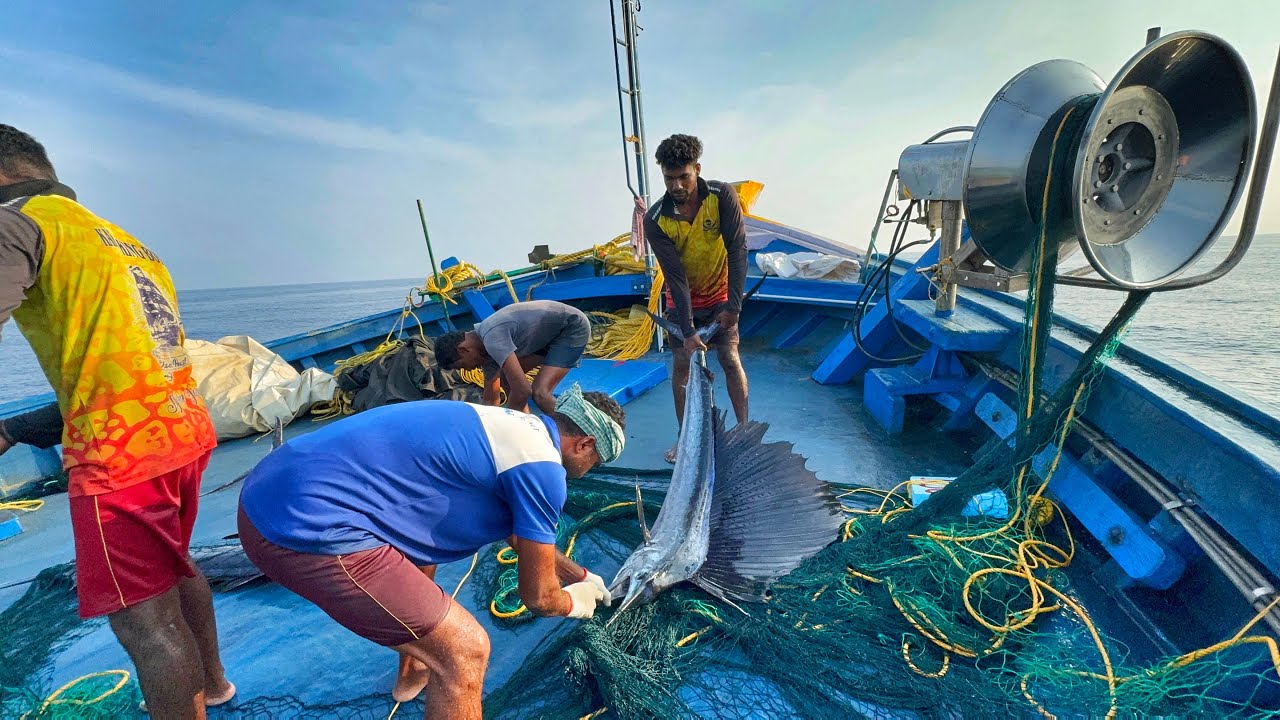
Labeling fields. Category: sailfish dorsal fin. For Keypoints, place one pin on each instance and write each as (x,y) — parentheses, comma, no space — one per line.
(769,513)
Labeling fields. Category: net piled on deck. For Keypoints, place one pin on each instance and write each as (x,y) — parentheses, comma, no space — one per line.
(892,620)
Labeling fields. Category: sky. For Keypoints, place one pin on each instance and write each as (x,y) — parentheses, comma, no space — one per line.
(256,143)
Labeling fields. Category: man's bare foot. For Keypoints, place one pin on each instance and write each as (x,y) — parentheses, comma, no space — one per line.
(222,697)
(411,680)
(671,454)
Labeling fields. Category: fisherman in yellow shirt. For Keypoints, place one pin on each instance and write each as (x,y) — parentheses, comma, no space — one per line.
(101,314)
(697,233)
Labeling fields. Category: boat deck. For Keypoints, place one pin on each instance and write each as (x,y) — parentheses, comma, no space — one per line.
(276,645)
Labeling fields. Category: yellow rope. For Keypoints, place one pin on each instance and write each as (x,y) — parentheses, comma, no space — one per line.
(22,505)
(55,697)
(614,255)
(628,334)
(445,282)
(906,657)
(475,560)
(340,403)
(692,636)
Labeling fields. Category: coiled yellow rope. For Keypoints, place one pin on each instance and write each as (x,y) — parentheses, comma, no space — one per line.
(444,283)
(55,698)
(627,334)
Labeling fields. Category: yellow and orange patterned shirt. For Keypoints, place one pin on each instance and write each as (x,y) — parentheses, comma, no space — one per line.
(101,314)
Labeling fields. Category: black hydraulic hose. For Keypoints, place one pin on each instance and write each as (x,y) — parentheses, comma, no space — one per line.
(864,300)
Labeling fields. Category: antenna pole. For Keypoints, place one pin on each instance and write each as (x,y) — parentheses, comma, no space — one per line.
(444,308)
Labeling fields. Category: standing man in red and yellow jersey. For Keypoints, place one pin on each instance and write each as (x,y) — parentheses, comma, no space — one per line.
(101,314)
(698,236)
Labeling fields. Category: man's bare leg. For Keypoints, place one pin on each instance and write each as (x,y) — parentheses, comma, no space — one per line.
(197,609)
(155,635)
(456,654)
(679,379)
(735,378)
(413,675)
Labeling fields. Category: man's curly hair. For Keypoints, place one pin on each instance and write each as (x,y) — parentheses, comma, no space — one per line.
(21,156)
(678,151)
(446,348)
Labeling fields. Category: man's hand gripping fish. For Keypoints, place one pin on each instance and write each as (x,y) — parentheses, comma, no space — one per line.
(739,513)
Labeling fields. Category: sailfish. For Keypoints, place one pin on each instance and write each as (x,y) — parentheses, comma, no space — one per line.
(739,514)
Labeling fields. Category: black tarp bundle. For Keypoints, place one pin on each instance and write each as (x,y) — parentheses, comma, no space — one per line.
(406,373)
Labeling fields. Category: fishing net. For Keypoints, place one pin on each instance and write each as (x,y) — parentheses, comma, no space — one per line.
(914,612)
(889,621)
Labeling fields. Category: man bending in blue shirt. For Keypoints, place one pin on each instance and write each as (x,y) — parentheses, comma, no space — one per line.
(354,517)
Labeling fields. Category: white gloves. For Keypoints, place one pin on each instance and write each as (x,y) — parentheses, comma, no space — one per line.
(583,598)
(586,594)
(598,581)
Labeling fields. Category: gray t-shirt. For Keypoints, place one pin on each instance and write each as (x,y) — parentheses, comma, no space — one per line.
(537,327)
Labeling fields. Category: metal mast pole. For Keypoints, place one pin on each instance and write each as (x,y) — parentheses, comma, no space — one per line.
(633,141)
(629,9)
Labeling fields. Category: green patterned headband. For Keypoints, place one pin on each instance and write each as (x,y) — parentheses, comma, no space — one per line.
(608,435)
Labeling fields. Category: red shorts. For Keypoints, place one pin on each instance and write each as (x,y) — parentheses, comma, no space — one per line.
(378,594)
(131,544)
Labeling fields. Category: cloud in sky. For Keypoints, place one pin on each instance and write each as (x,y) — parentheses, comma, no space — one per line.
(256,143)
(245,116)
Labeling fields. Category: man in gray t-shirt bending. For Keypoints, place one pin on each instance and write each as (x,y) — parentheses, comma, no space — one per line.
(513,341)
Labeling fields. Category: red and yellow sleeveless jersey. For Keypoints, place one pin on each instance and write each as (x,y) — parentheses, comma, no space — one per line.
(102,318)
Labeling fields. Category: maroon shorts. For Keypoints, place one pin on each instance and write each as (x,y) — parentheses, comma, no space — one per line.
(703,318)
(131,544)
(377,594)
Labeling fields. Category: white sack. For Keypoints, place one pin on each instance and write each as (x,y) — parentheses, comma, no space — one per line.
(809,266)
(247,388)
